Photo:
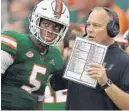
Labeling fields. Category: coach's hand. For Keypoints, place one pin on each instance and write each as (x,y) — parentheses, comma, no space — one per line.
(98,72)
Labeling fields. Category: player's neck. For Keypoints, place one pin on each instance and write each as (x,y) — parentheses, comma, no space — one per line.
(40,48)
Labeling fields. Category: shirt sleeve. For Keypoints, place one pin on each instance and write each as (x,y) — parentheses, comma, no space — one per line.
(6,61)
(57,82)
(125,78)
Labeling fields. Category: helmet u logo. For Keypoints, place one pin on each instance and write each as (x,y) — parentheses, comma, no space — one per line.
(58,9)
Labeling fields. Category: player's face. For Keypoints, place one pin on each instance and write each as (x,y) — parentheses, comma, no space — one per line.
(96,26)
(49,30)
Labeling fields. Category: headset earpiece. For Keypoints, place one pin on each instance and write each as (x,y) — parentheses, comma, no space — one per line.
(113,25)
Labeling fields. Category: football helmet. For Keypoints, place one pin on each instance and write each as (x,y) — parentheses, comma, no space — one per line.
(53,10)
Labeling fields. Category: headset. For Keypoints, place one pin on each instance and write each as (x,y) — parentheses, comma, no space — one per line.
(113,25)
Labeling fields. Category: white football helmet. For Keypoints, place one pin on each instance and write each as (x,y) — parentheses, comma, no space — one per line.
(53,10)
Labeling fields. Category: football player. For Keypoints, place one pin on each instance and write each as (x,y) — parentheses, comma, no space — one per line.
(28,60)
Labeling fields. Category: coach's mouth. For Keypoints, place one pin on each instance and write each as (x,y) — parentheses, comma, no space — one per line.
(92,38)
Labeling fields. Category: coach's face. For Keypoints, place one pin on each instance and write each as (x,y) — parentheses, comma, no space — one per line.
(96,26)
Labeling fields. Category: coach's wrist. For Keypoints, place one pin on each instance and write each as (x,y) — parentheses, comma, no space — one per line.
(107,84)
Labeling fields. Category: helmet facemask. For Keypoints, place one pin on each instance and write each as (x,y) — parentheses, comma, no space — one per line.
(48,37)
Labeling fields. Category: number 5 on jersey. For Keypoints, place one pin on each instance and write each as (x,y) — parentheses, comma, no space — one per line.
(33,80)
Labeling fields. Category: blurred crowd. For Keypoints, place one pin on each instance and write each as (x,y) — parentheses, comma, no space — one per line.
(15,15)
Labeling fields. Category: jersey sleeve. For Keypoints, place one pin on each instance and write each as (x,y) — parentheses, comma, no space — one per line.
(9,42)
(6,61)
(56,81)
(58,58)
